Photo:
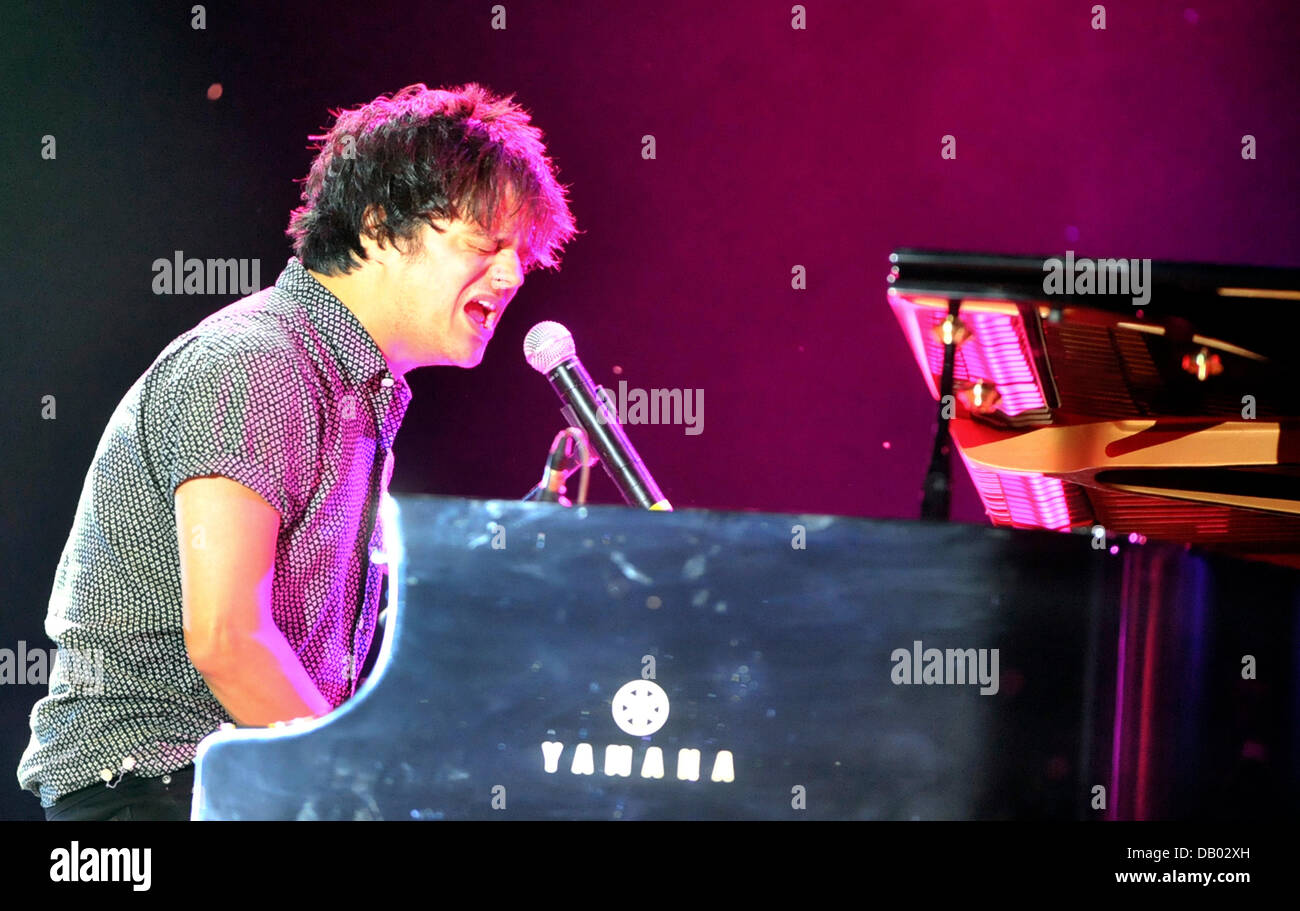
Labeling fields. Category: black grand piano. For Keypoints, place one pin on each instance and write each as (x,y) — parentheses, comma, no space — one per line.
(1121,643)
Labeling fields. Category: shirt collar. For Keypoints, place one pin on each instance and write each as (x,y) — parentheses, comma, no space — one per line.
(353,347)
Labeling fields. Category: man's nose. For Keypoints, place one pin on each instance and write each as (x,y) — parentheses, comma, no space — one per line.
(507,271)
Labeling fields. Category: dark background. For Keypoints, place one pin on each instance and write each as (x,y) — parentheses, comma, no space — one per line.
(775,147)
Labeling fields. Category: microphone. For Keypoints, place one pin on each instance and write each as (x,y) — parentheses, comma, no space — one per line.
(548,348)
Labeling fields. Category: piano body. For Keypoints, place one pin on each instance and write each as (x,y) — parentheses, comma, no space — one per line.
(789,656)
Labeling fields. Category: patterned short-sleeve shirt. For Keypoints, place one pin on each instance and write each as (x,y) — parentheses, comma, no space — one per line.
(286,393)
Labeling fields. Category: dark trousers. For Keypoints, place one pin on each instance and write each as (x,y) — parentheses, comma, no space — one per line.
(166,798)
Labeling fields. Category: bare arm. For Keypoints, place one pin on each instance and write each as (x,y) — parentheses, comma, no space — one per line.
(227,536)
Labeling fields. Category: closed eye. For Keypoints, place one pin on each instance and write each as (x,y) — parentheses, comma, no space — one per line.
(494,246)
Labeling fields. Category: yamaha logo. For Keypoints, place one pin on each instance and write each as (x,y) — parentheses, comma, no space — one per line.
(639,708)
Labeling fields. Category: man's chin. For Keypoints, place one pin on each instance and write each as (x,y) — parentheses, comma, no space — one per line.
(472,358)
(466,356)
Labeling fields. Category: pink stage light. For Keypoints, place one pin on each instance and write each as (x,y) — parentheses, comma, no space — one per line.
(997,353)
(1021,500)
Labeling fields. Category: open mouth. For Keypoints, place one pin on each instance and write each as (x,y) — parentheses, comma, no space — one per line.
(482,313)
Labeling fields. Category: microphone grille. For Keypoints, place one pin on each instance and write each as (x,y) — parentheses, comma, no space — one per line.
(546,345)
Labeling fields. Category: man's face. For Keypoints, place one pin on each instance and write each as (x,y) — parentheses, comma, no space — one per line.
(448,266)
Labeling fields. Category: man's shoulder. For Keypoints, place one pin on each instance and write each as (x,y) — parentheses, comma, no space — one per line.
(270,320)
(264,332)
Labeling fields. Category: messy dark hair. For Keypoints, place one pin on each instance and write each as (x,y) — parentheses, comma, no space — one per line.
(422,154)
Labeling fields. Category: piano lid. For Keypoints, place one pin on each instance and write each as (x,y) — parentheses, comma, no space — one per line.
(1151,398)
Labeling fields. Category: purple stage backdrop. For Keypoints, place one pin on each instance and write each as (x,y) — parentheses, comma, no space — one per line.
(716,152)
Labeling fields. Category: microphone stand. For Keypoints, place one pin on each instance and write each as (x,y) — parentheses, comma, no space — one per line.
(569,453)
(936,501)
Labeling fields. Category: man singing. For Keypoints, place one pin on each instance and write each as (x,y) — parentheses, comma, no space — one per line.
(218,568)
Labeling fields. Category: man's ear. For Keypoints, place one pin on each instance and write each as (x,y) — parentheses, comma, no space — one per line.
(372,240)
